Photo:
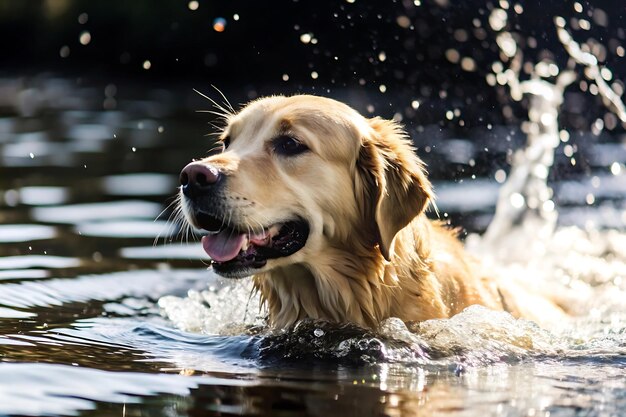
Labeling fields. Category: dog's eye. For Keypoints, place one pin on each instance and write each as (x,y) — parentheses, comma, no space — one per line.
(226,142)
(287,145)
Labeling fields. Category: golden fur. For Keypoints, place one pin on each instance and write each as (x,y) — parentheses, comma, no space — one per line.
(371,253)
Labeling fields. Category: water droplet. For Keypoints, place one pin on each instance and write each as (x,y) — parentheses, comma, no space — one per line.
(403,21)
(285,77)
(84,38)
(32,155)
(64,51)
(134,149)
(616,168)
(306,38)
(517,200)
(500,176)
(314,75)
(83,18)
(452,55)
(110,90)
(548,206)
(468,64)
(318,332)
(584,24)
(147,64)
(236,17)
(11,198)
(498,19)
(415,104)
(193,5)
(606,74)
(219,24)
(595,181)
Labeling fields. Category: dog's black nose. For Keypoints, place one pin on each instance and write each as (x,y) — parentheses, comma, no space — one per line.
(198,178)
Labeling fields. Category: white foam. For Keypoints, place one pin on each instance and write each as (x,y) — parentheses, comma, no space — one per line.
(226,307)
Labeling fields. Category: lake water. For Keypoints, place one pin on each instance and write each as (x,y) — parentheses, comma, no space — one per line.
(106,310)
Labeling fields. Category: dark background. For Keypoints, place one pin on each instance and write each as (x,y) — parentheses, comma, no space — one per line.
(252,54)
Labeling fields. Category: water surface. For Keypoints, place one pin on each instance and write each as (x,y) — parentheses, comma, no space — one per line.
(95,319)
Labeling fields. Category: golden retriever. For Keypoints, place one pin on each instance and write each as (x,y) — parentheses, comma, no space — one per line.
(325,208)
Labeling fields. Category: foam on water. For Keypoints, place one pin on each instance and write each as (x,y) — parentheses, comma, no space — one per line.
(586,269)
(227,307)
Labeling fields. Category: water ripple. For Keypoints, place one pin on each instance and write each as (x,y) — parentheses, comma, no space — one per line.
(139,283)
(79,213)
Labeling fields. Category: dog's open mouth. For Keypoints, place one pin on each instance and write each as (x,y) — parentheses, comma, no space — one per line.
(233,250)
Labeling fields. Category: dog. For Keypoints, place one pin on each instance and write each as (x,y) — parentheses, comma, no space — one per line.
(326,210)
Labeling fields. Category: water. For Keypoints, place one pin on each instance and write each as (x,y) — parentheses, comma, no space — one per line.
(96,320)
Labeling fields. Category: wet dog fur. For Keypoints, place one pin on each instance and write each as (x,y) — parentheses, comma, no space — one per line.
(371,252)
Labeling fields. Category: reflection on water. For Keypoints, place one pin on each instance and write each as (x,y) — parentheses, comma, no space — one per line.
(125,228)
(25,232)
(29,261)
(139,184)
(96,319)
(76,213)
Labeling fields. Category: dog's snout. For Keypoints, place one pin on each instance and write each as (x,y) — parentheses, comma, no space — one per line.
(197,178)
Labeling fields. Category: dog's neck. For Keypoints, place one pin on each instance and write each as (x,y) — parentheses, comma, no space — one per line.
(353,285)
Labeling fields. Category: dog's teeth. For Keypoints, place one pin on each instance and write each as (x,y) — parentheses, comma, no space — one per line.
(273,231)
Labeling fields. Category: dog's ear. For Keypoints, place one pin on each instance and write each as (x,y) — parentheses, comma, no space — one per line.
(391,180)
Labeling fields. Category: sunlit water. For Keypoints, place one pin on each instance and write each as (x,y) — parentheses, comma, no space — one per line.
(95,319)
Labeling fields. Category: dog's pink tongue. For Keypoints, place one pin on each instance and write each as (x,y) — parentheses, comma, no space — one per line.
(224,245)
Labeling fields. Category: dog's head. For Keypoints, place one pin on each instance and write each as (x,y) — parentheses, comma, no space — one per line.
(296,176)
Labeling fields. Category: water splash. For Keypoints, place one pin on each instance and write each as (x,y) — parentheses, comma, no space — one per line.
(224,308)
(586,269)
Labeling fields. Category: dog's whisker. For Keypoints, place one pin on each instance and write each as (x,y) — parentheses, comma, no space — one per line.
(215,113)
(230,106)
(225,113)
(215,103)
(168,222)
(174,201)
(215,149)
(218,131)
